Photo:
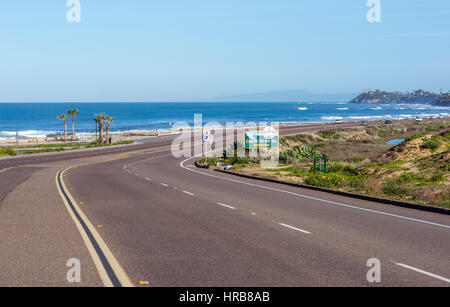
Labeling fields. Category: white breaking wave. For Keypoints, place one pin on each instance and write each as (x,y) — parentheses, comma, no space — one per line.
(302,108)
(370,117)
(342,109)
(26,134)
(331,117)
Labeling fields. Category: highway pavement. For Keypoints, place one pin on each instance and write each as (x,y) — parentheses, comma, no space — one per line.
(150,219)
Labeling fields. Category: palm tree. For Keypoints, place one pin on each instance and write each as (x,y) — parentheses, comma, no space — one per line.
(109,120)
(100,120)
(64,117)
(73,113)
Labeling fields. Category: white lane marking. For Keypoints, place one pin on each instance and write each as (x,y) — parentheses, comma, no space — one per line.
(166,185)
(146,178)
(188,193)
(423,272)
(294,228)
(314,198)
(224,205)
(134,163)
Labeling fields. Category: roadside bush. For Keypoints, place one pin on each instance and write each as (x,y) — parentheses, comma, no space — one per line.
(7,151)
(211,161)
(306,151)
(408,178)
(394,189)
(327,134)
(431,144)
(344,167)
(329,180)
(415,136)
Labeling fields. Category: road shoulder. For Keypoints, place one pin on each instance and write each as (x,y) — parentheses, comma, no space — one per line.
(39,237)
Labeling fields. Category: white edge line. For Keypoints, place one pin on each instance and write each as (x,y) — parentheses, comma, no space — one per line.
(294,228)
(423,272)
(314,198)
(224,205)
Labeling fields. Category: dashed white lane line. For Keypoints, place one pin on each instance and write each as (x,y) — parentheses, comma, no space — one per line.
(188,193)
(422,272)
(166,185)
(294,228)
(224,205)
(146,178)
(312,198)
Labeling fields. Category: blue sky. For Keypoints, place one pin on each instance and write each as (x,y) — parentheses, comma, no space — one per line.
(145,50)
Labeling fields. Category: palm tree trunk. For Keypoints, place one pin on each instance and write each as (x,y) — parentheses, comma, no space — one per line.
(73,127)
(65,131)
(107,133)
(100,133)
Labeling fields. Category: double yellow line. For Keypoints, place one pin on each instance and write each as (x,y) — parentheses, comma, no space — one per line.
(111,272)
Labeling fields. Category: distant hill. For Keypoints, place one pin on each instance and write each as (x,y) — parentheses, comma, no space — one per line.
(288,96)
(444,100)
(416,97)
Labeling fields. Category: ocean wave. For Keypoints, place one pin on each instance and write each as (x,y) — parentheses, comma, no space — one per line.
(370,117)
(26,134)
(376,108)
(302,108)
(341,109)
(331,117)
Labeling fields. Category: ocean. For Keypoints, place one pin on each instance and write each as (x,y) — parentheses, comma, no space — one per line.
(33,120)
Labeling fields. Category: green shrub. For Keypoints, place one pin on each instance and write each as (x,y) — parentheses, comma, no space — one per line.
(408,177)
(211,161)
(415,136)
(329,180)
(306,151)
(7,151)
(327,134)
(431,144)
(394,189)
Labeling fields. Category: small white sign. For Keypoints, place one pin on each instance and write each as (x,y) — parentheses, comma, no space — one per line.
(207,137)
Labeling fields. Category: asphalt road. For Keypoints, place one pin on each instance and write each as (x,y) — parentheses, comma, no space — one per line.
(168,223)
(171,224)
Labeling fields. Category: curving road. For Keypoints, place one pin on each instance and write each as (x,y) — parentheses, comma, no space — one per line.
(159,221)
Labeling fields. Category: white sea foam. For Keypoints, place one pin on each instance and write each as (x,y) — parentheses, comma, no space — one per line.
(342,109)
(370,117)
(26,134)
(302,108)
(331,117)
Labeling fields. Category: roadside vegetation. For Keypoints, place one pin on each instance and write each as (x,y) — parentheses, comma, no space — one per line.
(360,161)
(41,148)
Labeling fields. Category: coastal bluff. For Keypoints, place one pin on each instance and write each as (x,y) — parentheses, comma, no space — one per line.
(416,97)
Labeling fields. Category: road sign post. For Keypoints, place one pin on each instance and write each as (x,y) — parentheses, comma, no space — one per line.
(320,164)
(207,138)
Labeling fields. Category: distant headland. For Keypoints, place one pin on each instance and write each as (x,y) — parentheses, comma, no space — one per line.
(415,97)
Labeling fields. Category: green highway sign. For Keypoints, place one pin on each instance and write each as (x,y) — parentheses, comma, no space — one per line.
(256,139)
